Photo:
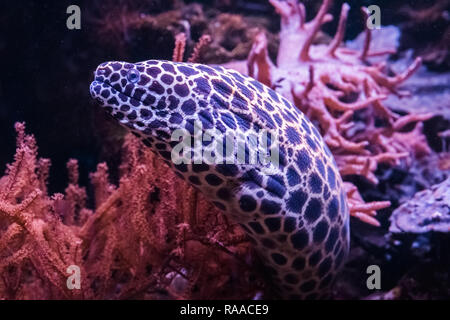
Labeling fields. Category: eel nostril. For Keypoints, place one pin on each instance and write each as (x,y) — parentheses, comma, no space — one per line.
(101,71)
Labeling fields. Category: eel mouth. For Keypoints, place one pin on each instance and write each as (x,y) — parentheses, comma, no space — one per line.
(95,89)
(97,86)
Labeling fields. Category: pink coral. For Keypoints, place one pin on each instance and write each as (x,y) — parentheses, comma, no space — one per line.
(151,236)
(341,92)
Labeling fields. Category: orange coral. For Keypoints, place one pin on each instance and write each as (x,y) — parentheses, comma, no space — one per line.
(35,248)
(152,236)
(180,47)
(341,92)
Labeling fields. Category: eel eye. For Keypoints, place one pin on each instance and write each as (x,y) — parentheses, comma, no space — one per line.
(133,76)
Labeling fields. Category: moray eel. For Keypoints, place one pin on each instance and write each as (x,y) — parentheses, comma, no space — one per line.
(294,209)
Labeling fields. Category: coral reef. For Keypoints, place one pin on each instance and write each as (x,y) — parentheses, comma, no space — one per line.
(341,92)
(427,211)
(151,236)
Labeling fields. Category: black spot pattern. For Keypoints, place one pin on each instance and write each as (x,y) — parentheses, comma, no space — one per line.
(308,286)
(315,183)
(188,71)
(173,102)
(168,67)
(239,102)
(182,90)
(247,203)
(224,194)
(153,71)
(296,201)
(300,239)
(331,178)
(320,231)
(227,170)
(256,226)
(213,180)
(194,180)
(315,258)
(188,107)
(325,266)
(290,224)
(275,185)
(303,160)
(293,177)
(331,240)
(292,135)
(167,78)
(202,86)
(298,263)
(313,210)
(270,207)
(333,208)
(229,121)
(279,258)
(156,87)
(217,102)
(273,224)
(222,88)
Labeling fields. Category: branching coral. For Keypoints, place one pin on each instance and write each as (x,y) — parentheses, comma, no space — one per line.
(152,236)
(180,48)
(341,92)
(35,248)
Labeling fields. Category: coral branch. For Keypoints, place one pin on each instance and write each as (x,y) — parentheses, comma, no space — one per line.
(340,33)
(180,45)
(259,58)
(14,210)
(392,82)
(337,105)
(368,32)
(320,19)
(309,86)
(291,15)
(361,210)
(202,43)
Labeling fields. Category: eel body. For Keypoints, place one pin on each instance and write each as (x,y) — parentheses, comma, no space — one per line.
(293,209)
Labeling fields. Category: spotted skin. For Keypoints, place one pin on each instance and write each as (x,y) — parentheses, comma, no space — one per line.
(296,215)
